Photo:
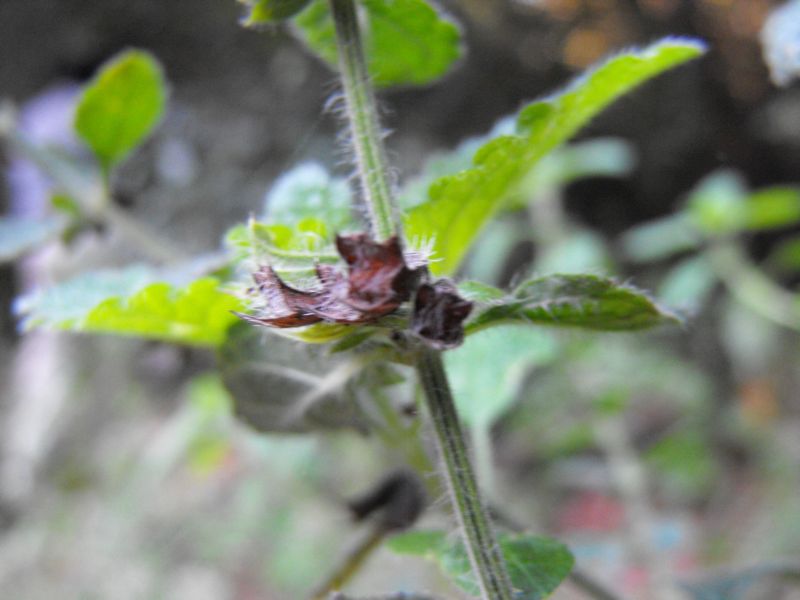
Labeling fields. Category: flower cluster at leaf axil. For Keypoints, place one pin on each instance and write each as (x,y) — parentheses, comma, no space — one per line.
(379,278)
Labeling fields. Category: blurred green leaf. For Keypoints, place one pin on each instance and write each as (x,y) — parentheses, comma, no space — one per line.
(660,239)
(584,301)
(407,41)
(121,105)
(717,205)
(602,157)
(132,302)
(684,458)
(19,235)
(488,370)
(786,255)
(280,385)
(476,291)
(199,314)
(773,207)
(309,191)
(66,304)
(536,565)
(460,205)
(579,251)
(264,12)
(688,284)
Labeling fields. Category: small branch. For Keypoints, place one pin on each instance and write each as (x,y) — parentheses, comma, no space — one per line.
(351,564)
(752,288)
(590,586)
(482,548)
(93,197)
(362,117)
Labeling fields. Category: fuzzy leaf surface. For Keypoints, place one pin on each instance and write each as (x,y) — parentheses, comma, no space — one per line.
(121,105)
(407,41)
(133,302)
(19,235)
(536,565)
(460,205)
(584,301)
(280,385)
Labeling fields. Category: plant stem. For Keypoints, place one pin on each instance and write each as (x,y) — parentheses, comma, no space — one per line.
(362,117)
(351,564)
(482,548)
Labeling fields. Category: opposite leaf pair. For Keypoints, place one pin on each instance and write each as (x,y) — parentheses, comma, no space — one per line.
(379,279)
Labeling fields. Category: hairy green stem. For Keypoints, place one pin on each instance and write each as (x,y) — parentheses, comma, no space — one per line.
(362,117)
(482,548)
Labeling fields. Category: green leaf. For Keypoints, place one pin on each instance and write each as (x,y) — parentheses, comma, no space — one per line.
(460,205)
(309,191)
(584,301)
(488,370)
(19,235)
(264,12)
(129,302)
(303,212)
(592,158)
(661,238)
(477,291)
(280,385)
(65,305)
(536,565)
(121,105)
(773,207)
(717,205)
(198,315)
(688,284)
(407,41)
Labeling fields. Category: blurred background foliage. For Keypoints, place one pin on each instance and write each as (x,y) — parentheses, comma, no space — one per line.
(663,457)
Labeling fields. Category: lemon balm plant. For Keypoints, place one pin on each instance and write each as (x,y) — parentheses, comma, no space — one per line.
(306,287)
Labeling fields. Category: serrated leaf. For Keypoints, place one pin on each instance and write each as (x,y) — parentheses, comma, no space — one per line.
(19,235)
(537,565)
(477,291)
(584,301)
(280,385)
(460,205)
(488,370)
(63,305)
(265,12)
(121,105)
(197,315)
(132,302)
(407,41)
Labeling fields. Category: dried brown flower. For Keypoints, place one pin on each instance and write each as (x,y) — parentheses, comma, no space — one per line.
(439,314)
(378,278)
(378,281)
